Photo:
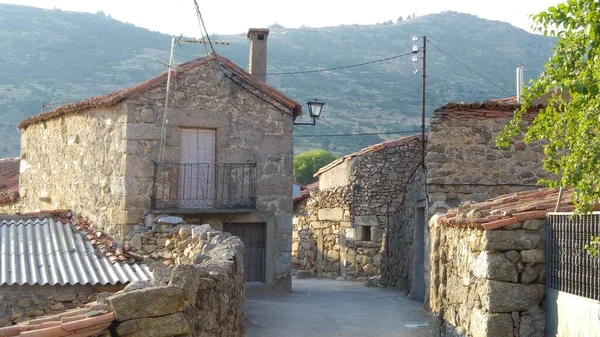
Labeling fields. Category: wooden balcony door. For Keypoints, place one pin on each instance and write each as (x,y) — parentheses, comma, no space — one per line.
(197,169)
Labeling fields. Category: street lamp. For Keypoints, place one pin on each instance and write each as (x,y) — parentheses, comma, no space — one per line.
(314,111)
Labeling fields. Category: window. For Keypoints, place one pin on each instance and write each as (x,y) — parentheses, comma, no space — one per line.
(365,233)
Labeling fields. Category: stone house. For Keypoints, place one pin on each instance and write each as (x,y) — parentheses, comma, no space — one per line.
(463,163)
(362,219)
(9,184)
(221,154)
(51,262)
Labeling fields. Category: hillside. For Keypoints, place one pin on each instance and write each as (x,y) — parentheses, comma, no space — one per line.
(51,55)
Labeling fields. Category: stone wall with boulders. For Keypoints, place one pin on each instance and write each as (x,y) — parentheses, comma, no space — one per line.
(399,257)
(463,163)
(487,283)
(77,162)
(340,231)
(201,295)
(19,303)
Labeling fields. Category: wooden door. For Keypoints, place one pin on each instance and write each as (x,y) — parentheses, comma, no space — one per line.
(254,237)
(197,168)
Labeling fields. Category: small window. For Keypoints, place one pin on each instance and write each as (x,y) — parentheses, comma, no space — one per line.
(261,36)
(365,233)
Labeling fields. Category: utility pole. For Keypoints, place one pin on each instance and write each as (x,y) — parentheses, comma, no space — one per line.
(415,58)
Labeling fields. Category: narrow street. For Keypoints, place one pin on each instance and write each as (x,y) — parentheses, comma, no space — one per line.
(322,307)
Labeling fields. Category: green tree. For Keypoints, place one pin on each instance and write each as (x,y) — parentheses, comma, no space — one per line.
(308,163)
(569,126)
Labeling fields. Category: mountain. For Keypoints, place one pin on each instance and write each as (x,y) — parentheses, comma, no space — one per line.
(55,56)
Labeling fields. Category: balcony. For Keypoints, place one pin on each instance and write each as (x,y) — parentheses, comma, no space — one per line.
(199,188)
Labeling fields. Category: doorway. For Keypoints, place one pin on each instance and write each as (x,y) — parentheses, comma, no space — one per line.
(253,235)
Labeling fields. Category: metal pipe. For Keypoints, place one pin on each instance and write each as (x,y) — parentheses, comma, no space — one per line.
(423,102)
(163,128)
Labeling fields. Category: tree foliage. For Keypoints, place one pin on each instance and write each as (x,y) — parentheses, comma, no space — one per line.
(569,125)
(308,163)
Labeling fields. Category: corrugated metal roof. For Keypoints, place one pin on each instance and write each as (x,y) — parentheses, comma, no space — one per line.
(44,251)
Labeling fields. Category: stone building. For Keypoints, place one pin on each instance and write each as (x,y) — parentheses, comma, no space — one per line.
(50,263)
(221,154)
(365,202)
(463,163)
(9,184)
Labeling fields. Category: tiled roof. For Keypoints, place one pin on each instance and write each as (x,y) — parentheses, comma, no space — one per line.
(118,96)
(91,320)
(9,180)
(306,191)
(484,110)
(404,141)
(508,209)
(62,250)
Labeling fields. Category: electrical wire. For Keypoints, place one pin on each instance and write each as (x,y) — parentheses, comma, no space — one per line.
(338,68)
(471,69)
(362,134)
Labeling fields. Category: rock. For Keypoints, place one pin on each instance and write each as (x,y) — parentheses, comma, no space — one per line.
(510,239)
(199,258)
(186,277)
(339,278)
(150,248)
(34,312)
(497,296)
(24,302)
(528,275)
(368,269)
(533,323)
(331,214)
(65,297)
(377,260)
(495,266)
(136,241)
(361,279)
(374,281)
(170,220)
(488,324)
(185,232)
(199,229)
(513,255)
(303,274)
(149,220)
(533,256)
(333,255)
(165,326)
(135,285)
(149,302)
(58,307)
(534,224)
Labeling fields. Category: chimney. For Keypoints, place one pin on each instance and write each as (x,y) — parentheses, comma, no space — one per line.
(519,82)
(258,52)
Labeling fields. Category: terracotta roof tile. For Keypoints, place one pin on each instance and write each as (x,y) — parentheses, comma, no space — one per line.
(508,209)
(118,96)
(404,141)
(83,322)
(9,180)
(308,189)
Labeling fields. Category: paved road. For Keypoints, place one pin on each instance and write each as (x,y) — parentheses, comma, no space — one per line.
(319,307)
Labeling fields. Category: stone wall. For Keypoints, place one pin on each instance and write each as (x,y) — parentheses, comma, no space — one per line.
(399,257)
(19,303)
(319,227)
(463,163)
(340,230)
(488,283)
(203,296)
(77,162)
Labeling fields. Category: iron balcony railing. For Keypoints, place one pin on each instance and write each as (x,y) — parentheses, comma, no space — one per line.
(197,186)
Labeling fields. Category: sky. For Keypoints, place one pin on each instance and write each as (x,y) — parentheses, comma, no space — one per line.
(176,17)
